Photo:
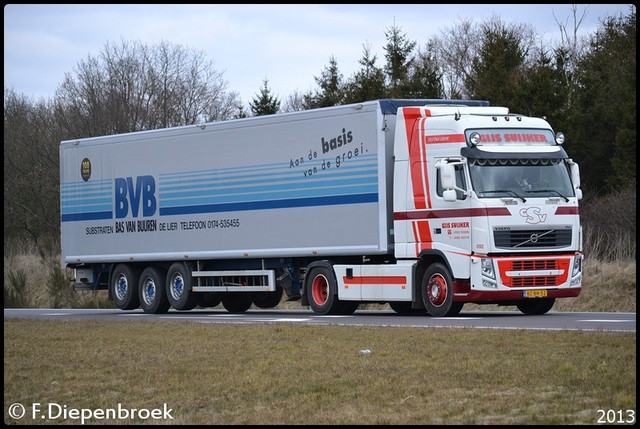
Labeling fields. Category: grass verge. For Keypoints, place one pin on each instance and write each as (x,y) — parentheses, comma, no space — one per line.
(282,374)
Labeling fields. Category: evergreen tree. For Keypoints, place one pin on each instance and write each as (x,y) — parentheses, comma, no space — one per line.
(398,54)
(240,113)
(424,79)
(264,103)
(604,117)
(542,91)
(368,82)
(498,67)
(331,92)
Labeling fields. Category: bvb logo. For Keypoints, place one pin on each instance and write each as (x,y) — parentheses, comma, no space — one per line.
(85,169)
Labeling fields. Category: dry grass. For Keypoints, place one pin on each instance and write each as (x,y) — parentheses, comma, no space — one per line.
(607,287)
(286,374)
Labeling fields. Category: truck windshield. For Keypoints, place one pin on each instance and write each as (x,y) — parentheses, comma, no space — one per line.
(521,178)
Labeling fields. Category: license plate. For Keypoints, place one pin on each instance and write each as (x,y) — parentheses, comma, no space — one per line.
(538,293)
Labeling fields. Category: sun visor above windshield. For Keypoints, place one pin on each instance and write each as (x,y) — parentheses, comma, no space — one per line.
(514,152)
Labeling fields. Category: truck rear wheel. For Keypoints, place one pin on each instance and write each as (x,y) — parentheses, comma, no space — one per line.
(124,286)
(179,292)
(236,302)
(437,292)
(153,297)
(322,291)
(532,307)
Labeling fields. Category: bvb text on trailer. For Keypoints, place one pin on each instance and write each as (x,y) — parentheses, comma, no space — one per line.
(421,204)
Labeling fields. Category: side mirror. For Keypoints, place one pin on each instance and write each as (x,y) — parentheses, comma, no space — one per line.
(448,176)
(575,173)
(450,195)
(579,193)
(574,169)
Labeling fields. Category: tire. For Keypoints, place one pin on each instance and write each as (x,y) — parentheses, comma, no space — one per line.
(179,292)
(208,299)
(236,302)
(404,308)
(536,307)
(347,307)
(437,292)
(321,291)
(267,299)
(153,296)
(124,286)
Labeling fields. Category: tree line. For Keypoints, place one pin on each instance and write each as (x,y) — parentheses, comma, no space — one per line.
(585,87)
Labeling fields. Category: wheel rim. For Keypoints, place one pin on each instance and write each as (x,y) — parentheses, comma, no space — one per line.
(437,290)
(320,290)
(122,285)
(177,286)
(149,291)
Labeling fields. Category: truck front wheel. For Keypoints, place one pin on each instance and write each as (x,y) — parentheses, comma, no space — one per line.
(404,308)
(124,287)
(153,298)
(437,292)
(537,306)
(321,291)
(179,292)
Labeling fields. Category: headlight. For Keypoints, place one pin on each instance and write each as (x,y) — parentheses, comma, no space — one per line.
(577,265)
(487,268)
(474,139)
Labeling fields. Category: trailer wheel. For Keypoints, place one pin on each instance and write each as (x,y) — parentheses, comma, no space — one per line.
(267,299)
(236,302)
(153,297)
(535,307)
(322,291)
(124,286)
(209,299)
(437,292)
(179,292)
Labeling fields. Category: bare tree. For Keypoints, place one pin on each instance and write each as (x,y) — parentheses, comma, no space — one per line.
(132,87)
(294,103)
(31,170)
(454,50)
(571,48)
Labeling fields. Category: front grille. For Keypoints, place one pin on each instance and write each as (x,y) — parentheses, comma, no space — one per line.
(536,264)
(537,281)
(532,238)
(531,272)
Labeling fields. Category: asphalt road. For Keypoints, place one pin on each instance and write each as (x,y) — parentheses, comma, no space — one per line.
(552,321)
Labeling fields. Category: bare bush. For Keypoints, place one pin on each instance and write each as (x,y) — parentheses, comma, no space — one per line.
(609,225)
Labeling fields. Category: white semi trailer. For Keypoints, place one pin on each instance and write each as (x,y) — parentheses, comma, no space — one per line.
(421,204)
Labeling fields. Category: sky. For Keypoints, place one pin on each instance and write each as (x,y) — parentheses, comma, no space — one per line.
(289,45)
